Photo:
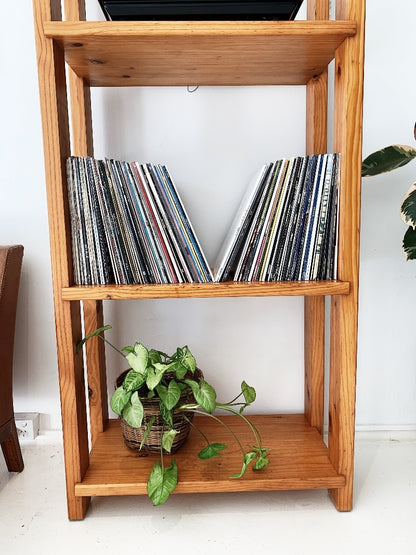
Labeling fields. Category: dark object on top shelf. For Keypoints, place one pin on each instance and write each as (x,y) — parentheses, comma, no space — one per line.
(215,10)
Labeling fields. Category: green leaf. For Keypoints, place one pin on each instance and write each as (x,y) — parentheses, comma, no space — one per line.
(409,244)
(166,414)
(133,380)
(169,395)
(162,482)
(155,356)
(133,412)
(212,450)
(260,463)
(155,375)
(408,208)
(93,334)
(204,394)
(187,359)
(262,460)
(147,430)
(387,159)
(248,392)
(119,400)
(248,457)
(168,438)
(179,369)
(138,358)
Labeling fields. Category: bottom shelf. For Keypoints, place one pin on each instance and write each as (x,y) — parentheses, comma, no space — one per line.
(298,460)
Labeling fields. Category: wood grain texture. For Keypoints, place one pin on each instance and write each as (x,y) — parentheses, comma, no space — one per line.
(314,307)
(96,369)
(52,86)
(79,94)
(82,145)
(314,339)
(207,290)
(318,10)
(298,458)
(349,70)
(203,53)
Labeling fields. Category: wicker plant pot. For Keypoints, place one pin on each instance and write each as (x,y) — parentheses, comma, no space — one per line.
(133,437)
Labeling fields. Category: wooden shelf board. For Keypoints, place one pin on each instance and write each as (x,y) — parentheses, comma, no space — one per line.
(298,456)
(199,53)
(201,290)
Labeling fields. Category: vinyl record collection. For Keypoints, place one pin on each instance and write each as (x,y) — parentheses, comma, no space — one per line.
(286,227)
(129,225)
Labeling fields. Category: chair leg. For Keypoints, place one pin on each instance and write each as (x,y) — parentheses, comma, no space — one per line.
(11,450)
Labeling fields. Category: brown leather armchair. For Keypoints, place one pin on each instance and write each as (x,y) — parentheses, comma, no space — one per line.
(10,268)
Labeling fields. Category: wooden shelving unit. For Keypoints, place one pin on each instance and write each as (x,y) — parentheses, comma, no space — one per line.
(75,55)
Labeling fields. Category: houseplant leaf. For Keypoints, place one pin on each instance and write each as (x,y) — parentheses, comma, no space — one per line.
(147,430)
(167,439)
(133,380)
(248,392)
(179,369)
(248,457)
(161,483)
(212,450)
(169,395)
(166,414)
(133,411)
(261,463)
(409,244)
(387,159)
(155,356)
(138,358)
(187,359)
(408,208)
(155,375)
(93,334)
(119,400)
(204,394)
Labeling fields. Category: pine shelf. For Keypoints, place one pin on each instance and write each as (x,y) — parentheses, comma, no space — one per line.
(74,55)
(206,290)
(299,460)
(159,53)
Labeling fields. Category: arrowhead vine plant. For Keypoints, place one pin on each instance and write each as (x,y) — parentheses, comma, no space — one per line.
(154,374)
(386,160)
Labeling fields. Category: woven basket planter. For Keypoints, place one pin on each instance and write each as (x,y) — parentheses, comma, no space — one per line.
(133,437)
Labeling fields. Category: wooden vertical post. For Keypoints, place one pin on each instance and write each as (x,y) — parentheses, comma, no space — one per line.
(82,145)
(96,369)
(314,307)
(344,309)
(53,100)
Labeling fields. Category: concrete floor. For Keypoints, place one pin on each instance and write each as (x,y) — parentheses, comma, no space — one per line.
(33,516)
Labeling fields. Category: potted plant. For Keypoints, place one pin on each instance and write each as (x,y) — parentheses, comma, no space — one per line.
(157,398)
(388,159)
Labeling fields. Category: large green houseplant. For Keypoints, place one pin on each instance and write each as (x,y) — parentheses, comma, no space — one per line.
(171,379)
(386,160)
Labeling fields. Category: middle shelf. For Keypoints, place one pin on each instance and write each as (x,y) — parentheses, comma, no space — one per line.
(205,290)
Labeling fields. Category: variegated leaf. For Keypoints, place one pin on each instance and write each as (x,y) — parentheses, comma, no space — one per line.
(409,244)
(387,159)
(408,208)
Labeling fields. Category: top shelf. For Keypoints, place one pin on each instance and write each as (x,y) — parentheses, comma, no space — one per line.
(108,54)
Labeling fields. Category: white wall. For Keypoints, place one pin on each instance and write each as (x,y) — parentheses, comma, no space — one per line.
(213,140)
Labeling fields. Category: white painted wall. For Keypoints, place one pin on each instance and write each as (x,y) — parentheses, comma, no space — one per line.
(213,141)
